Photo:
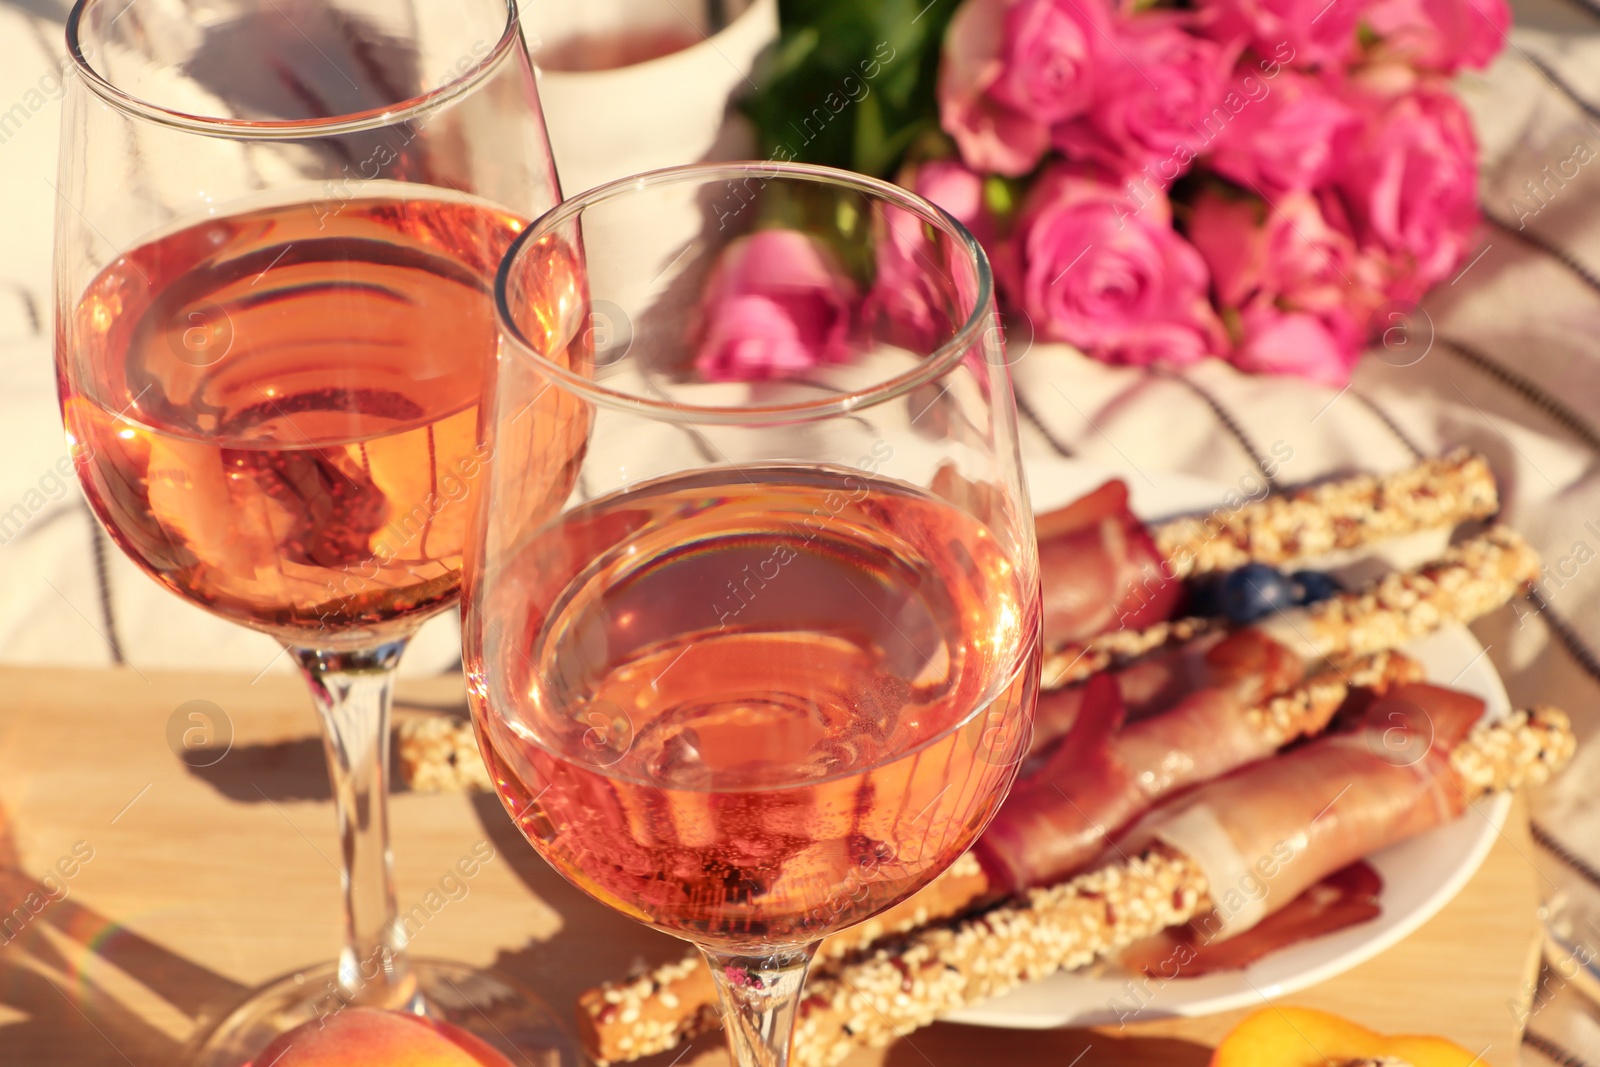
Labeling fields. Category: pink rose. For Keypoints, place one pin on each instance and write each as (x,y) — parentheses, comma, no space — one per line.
(1048,58)
(1096,269)
(1313,262)
(924,287)
(1410,180)
(1157,95)
(1301,33)
(1278,341)
(1300,248)
(1230,234)
(958,189)
(1289,272)
(1440,35)
(1010,69)
(1283,137)
(775,304)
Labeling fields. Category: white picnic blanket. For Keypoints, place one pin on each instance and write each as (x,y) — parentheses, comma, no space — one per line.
(1505,358)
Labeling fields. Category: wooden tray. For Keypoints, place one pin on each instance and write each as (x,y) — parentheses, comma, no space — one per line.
(206,881)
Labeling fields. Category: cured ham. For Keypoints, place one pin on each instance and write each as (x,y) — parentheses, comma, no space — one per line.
(1103,777)
(1060,817)
(1101,569)
(1343,899)
(1266,834)
(1245,667)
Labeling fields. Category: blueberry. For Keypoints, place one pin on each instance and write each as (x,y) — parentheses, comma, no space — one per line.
(1205,595)
(1312,586)
(1253,592)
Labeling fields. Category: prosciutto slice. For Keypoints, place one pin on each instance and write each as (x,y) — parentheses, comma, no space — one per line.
(1265,835)
(1101,569)
(1343,899)
(1058,818)
(1247,665)
(1104,776)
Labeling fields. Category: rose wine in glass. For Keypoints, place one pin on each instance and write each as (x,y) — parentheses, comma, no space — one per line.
(276,238)
(766,665)
(302,450)
(783,757)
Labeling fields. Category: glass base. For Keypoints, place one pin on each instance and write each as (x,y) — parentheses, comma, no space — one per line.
(486,1005)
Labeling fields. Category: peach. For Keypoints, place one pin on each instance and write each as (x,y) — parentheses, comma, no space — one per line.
(1304,1037)
(368,1037)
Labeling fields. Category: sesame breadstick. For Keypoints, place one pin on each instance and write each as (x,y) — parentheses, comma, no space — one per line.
(1469,580)
(439,754)
(1338,514)
(937,970)
(1301,712)
(1306,710)
(1115,648)
(1524,749)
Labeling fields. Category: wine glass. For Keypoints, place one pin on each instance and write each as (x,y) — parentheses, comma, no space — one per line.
(752,624)
(278,222)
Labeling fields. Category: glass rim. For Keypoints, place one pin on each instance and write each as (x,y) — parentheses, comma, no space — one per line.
(287,129)
(929,368)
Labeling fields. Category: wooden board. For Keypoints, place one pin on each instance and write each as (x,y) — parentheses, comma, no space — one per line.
(206,881)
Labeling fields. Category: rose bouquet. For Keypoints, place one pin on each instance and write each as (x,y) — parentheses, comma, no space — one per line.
(1245,179)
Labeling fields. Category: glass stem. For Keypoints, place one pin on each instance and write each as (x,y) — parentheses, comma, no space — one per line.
(759,997)
(353,691)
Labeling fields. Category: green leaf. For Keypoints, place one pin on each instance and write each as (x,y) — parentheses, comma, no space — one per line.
(832,215)
(1000,195)
(850,83)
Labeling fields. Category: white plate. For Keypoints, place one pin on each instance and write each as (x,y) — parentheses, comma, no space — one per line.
(1419,876)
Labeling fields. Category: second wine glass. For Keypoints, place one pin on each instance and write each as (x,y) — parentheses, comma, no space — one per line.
(753,624)
(278,225)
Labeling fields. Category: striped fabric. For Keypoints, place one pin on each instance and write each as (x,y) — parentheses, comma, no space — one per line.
(1505,357)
